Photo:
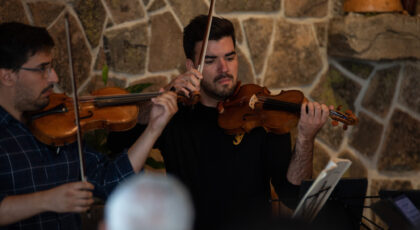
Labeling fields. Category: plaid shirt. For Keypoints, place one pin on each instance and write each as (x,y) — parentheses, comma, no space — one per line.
(28,166)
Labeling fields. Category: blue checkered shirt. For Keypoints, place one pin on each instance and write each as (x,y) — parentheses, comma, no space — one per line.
(28,166)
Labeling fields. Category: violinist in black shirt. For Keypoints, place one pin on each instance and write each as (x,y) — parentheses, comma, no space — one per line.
(229,177)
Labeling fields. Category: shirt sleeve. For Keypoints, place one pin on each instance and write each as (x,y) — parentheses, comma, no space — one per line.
(280,154)
(2,193)
(106,174)
(119,141)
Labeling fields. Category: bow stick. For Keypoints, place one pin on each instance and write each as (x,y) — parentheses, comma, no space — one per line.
(75,103)
(206,37)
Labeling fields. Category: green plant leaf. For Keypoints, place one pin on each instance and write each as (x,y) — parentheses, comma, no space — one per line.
(138,87)
(97,139)
(105,74)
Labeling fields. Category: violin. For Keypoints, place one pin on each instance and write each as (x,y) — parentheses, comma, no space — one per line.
(55,124)
(253,106)
(109,108)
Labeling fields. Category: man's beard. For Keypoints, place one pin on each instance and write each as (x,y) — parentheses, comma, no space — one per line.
(26,104)
(212,91)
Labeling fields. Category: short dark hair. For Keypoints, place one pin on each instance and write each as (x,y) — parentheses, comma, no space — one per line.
(18,42)
(195,30)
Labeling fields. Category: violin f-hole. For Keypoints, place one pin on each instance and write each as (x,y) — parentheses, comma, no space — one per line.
(248,115)
(90,114)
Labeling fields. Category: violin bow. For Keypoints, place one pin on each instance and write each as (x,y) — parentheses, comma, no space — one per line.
(75,102)
(206,37)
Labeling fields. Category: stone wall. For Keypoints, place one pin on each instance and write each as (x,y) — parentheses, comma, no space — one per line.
(282,44)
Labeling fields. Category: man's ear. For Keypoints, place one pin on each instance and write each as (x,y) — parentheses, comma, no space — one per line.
(189,64)
(7,77)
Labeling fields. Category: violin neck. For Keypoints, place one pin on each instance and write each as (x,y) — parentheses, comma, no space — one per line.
(270,104)
(120,99)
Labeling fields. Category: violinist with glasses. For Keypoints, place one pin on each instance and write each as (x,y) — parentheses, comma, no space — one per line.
(40,185)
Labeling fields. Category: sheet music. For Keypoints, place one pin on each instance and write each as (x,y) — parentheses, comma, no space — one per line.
(316,196)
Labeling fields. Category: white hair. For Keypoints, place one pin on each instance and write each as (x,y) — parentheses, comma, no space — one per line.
(150,202)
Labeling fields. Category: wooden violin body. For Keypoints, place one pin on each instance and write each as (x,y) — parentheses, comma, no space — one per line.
(240,114)
(253,106)
(55,124)
(111,108)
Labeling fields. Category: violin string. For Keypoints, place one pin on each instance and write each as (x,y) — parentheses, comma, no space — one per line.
(285,104)
(120,97)
(116,96)
(282,104)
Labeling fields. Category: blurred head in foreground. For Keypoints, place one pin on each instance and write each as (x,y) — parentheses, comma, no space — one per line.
(149,202)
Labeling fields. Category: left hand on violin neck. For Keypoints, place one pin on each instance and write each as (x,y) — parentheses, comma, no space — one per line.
(312,117)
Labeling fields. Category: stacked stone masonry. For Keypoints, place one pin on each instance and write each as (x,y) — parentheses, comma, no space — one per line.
(369,64)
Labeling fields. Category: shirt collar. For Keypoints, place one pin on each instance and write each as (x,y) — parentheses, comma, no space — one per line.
(5,117)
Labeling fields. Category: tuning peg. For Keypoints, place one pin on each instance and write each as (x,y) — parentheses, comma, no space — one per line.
(348,112)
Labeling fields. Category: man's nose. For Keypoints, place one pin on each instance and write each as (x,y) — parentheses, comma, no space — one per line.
(223,66)
(52,76)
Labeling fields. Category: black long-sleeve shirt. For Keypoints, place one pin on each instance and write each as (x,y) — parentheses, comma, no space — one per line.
(227,181)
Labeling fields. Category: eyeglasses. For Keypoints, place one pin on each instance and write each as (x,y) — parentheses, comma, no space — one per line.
(42,70)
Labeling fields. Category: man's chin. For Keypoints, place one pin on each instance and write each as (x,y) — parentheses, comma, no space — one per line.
(41,104)
(219,91)
(225,92)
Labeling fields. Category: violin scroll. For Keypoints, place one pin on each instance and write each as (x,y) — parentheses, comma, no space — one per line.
(347,118)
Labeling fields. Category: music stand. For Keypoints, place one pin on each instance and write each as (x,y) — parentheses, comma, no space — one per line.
(344,208)
(413,195)
(398,209)
(319,192)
